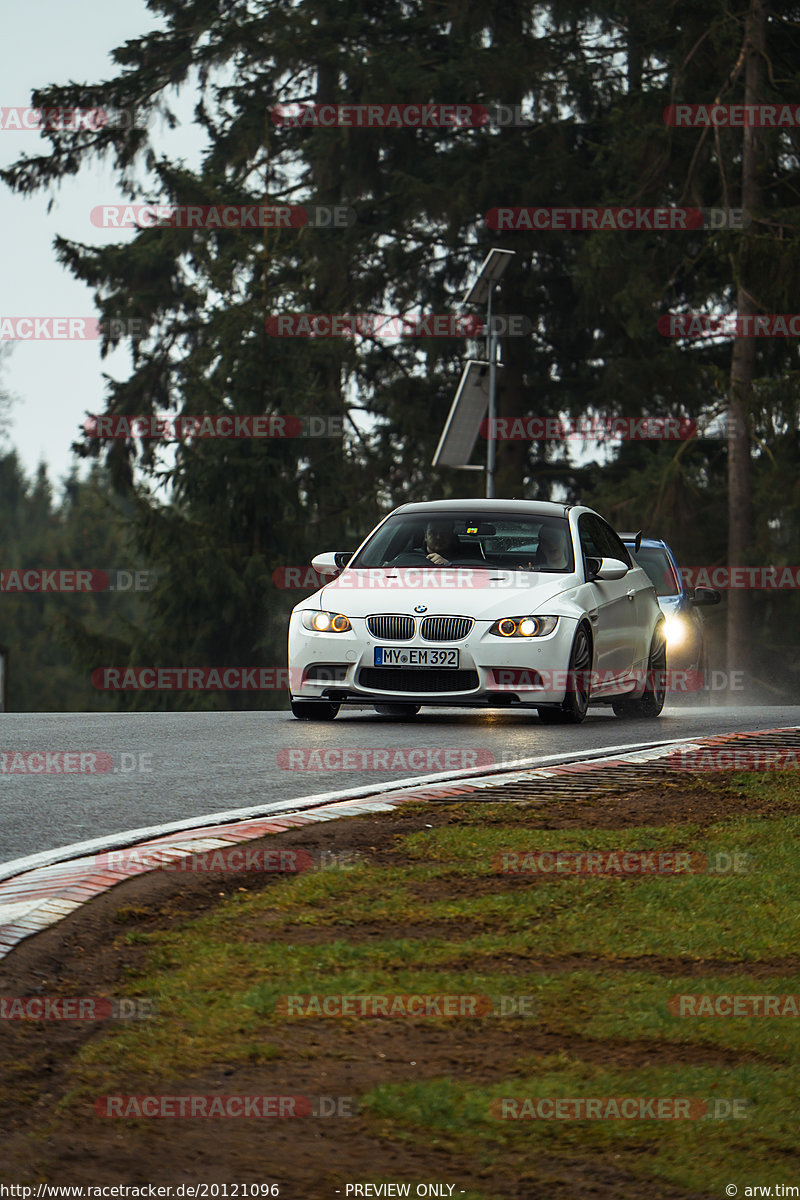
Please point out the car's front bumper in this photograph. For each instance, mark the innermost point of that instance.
(492, 671)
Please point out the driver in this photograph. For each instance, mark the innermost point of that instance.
(552, 549)
(440, 543)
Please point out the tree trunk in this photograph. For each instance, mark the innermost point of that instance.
(739, 628)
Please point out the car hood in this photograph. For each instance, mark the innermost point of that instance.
(482, 594)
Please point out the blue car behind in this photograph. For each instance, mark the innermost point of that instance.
(687, 650)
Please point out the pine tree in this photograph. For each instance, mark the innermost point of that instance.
(216, 518)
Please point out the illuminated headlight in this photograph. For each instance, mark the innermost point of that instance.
(677, 630)
(524, 626)
(326, 622)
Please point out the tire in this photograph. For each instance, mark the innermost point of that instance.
(398, 710)
(573, 710)
(704, 695)
(651, 702)
(314, 710)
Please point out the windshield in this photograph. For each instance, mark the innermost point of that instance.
(510, 541)
(659, 569)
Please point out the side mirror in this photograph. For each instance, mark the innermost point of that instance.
(704, 596)
(331, 562)
(607, 568)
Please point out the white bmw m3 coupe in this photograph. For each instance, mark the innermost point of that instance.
(488, 603)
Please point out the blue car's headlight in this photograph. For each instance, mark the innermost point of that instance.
(677, 629)
(325, 622)
(523, 626)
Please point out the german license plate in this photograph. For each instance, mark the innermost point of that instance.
(386, 656)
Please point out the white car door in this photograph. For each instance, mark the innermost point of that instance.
(612, 607)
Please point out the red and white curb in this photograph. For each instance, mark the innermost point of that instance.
(34, 899)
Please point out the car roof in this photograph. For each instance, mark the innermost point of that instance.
(541, 508)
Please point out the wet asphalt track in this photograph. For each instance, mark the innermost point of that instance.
(167, 767)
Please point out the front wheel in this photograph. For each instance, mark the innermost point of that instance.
(314, 710)
(397, 710)
(573, 709)
(703, 692)
(651, 702)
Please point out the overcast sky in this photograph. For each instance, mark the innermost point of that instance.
(55, 383)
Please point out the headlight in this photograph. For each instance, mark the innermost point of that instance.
(325, 622)
(676, 629)
(524, 626)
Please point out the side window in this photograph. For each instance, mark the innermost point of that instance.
(598, 540)
(613, 546)
(587, 528)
